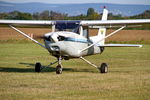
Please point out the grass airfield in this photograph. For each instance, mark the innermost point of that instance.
(128, 77)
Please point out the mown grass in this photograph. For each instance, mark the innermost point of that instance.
(128, 77)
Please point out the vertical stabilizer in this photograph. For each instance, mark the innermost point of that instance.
(102, 30)
(105, 14)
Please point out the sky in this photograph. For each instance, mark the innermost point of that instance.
(145, 2)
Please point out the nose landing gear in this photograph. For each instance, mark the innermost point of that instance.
(58, 69)
(59, 66)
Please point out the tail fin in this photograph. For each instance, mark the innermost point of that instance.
(105, 14)
(102, 30)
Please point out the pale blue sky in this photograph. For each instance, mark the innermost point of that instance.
(145, 2)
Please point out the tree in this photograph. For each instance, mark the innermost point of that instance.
(19, 15)
(90, 11)
(3, 15)
(92, 15)
(144, 15)
(36, 16)
(57, 16)
(45, 15)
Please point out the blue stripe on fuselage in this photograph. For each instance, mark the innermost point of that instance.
(77, 40)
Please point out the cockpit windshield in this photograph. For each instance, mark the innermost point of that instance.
(72, 26)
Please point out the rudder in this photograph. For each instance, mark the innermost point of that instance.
(102, 30)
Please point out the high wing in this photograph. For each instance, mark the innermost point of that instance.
(26, 22)
(115, 22)
(122, 23)
(82, 23)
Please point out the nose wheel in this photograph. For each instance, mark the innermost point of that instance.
(58, 69)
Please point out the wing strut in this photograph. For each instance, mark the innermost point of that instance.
(25, 35)
(88, 62)
(103, 38)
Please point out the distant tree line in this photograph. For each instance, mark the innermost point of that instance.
(51, 15)
(45, 15)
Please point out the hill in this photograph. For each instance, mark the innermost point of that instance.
(74, 9)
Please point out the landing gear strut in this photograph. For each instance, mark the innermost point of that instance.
(59, 67)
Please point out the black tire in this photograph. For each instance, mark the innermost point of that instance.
(103, 68)
(58, 69)
(38, 67)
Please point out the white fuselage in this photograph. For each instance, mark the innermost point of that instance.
(69, 44)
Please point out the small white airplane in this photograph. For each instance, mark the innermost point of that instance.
(70, 39)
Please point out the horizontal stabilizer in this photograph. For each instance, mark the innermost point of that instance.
(120, 45)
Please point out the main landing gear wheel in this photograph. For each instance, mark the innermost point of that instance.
(38, 67)
(58, 69)
(103, 68)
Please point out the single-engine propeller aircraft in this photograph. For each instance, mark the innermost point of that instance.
(70, 38)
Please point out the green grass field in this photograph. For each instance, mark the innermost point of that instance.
(128, 77)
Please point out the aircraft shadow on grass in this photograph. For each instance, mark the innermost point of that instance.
(31, 69)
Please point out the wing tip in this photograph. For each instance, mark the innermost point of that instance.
(140, 46)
